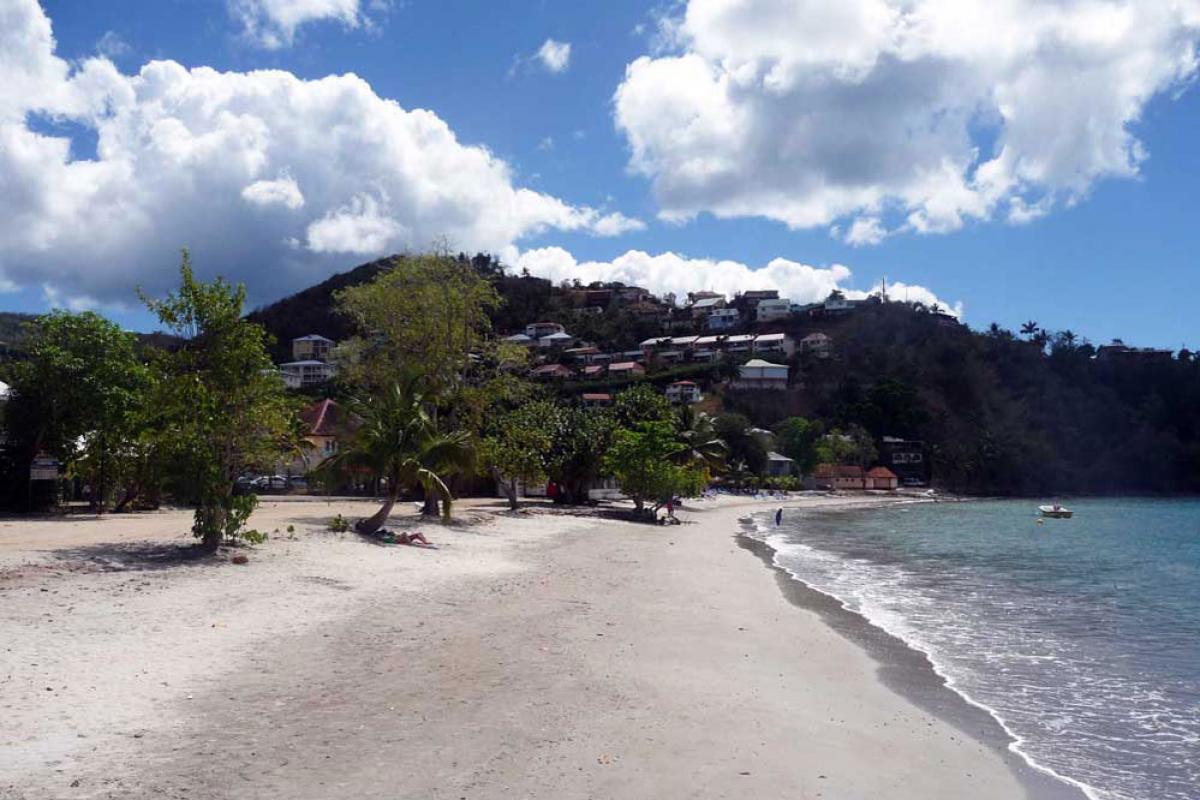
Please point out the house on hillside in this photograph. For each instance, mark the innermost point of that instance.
(770, 310)
(594, 371)
(1118, 351)
(557, 341)
(684, 392)
(326, 426)
(312, 348)
(882, 478)
(521, 339)
(553, 372)
(759, 295)
(757, 374)
(740, 344)
(774, 345)
(702, 308)
(306, 374)
(817, 345)
(626, 369)
(596, 399)
(696, 297)
(722, 319)
(840, 477)
(540, 330)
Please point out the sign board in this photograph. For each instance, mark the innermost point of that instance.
(44, 468)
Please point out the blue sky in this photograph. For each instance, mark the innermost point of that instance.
(1111, 252)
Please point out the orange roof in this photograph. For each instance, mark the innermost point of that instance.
(837, 471)
(881, 472)
(326, 418)
(684, 383)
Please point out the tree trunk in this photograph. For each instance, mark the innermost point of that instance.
(212, 521)
(509, 487)
(373, 523)
(432, 507)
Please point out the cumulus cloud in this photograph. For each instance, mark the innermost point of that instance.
(268, 178)
(670, 273)
(273, 23)
(922, 113)
(555, 56)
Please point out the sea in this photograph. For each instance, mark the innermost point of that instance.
(1081, 636)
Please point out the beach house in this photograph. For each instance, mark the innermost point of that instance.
(839, 476)
(779, 465)
(882, 478)
(906, 459)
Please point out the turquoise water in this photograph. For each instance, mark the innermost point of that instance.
(1081, 636)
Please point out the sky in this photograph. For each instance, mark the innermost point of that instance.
(1009, 160)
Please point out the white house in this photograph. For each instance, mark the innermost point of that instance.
(702, 308)
(769, 310)
(540, 330)
(759, 374)
(684, 392)
(776, 344)
(722, 319)
(817, 344)
(311, 348)
(742, 343)
(521, 339)
(559, 339)
(302, 374)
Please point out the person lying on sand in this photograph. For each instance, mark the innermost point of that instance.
(416, 538)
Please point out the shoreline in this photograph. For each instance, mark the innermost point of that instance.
(535, 654)
(910, 671)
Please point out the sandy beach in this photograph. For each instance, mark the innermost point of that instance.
(536, 654)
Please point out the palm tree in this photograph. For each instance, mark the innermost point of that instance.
(1030, 328)
(398, 442)
(702, 445)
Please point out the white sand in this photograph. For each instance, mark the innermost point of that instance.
(537, 655)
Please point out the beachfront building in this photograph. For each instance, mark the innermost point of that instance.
(757, 374)
(817, 345)
(840, 477)
(305, 374)
(779, 465)
(312, 348)
(771, 310)
(626, 369)
(684, 392)
(905, 458)
(774, 345)
(553, 372)
(882, 478)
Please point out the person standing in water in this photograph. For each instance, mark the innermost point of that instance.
(779, 516)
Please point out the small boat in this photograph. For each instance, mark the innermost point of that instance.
(1056, 512)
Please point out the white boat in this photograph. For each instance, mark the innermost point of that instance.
(1056, 512)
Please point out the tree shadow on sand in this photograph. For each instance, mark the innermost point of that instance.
(138, 556)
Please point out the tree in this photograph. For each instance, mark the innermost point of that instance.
(798, 440)
(852, 446)
(517, 445)
(579, 441)
(1029, 329)
(744, 446)
(79, 396)
(702, 445)
(219, 401)
(643, 461)
(429, 310)
(638, 404)
(399, 443)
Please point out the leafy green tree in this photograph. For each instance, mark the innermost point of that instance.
(854, 446)
(79, 396)
(517, 447)
(579, 441)
(703, 447)
(429, 310)
(744, 447)
(799, 439)
(398, 442)
(219, 401)
(640, 403)
(644, 462)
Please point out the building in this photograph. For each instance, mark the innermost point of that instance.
(326, 424)
(817, 345)
(774, 344)
(722, 319)
(312, 348)
(684, 392)
(626, 369)
(593, 372)
(906, 459)
(741, 343)
(650, 346)
(696, 297)
(779, 465)
(759, 374)
(596, 399)
(521, 339)
(557, 340)
(1118, 351)
(770, 310)
(539, 330)
(758, 295)
(882, 478)
(837, 306)
(553, 372)
(841, 477)
(305, 374)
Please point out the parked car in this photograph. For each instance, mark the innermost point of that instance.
(270, 484)
(298, 483)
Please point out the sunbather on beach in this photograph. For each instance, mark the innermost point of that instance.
(413, 538)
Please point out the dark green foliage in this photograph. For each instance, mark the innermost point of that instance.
(746, 450)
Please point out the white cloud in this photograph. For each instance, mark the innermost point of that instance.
(266, 177)
(865, 231)
(280, 192)
(555, 56)
(273, 23)
(931, 112)
(670, 273)
(111, 45)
